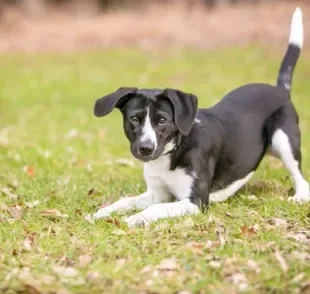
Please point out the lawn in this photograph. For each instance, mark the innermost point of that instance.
(59, 163)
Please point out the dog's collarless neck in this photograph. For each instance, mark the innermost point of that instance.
(177, 142)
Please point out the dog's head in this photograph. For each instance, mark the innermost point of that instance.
(153, 118)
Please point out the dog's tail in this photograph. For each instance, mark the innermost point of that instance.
(293, 51)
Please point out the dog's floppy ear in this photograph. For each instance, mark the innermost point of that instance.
(185, 109)
(106, 104)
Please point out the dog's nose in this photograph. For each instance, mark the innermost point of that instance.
(146, 148)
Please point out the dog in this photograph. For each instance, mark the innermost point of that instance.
(200, 156)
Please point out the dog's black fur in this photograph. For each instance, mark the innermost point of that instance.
(221, 144)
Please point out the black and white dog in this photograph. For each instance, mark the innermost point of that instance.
(202, 156)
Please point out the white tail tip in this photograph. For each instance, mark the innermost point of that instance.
(297, 30)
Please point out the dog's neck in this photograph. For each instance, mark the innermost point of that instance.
(172, 145)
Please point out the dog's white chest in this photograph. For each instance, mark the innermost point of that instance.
(159, 176)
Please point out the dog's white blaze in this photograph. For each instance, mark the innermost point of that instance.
(148, 132)
(162, 210)
(281, 147)
(297, 31)
(224, 194)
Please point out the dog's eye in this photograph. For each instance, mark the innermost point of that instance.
(162, 120)
(134, 119)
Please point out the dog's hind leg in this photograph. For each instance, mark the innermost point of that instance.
(285, 144)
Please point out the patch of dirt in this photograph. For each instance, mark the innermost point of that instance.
(153, 27)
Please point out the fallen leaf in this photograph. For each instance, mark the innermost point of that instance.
(68, 272)
(239, 279)
(29, 171)
(63, 291)
(168, 265)
(281, 261)
(16, 211)
(215, 264)
(302, 236)
(64, 261)
(252, 198)
(73, 133)
(248, 231)
(211, 244)
(119, 232)
(119, 264)
(91, 192)
(253, 266)
(93, 276)
(4, 207)
(27, 244)
(8, 193)
(298, 278)
(126, 162)
(221, 232)
(84, 260)
(277, 222)
(54, 213)
(302, 256)
(195, 247)
(32, 289)
(32, 204)
(305, 287)
(113, 221)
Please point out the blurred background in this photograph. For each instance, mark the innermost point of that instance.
(68, 25)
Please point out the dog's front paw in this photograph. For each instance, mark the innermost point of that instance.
(102, 213)
(299, 199)
(302, 193)
(137, 220)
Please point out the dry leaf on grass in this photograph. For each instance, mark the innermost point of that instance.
(32, 204)
(8, 193)
(84, 260)
(168, 265)
(91, 192)
(298, 278)
(249, 231)
(53, 213)
(125, 162)
(195, 247)
(63, 291)
(302, 237)
(68, 272)
(30, 171)
(239, 279)
(222, 234)
(302, 256)
(32, 289)
(214, 264)
(16, 211)
(276, 223)
(253, 266)
(27, 244)
(279, 257)
(113, 221)
(252, 198)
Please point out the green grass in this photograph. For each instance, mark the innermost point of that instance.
(47, 125)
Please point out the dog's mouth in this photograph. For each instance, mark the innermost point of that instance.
(145, 158)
